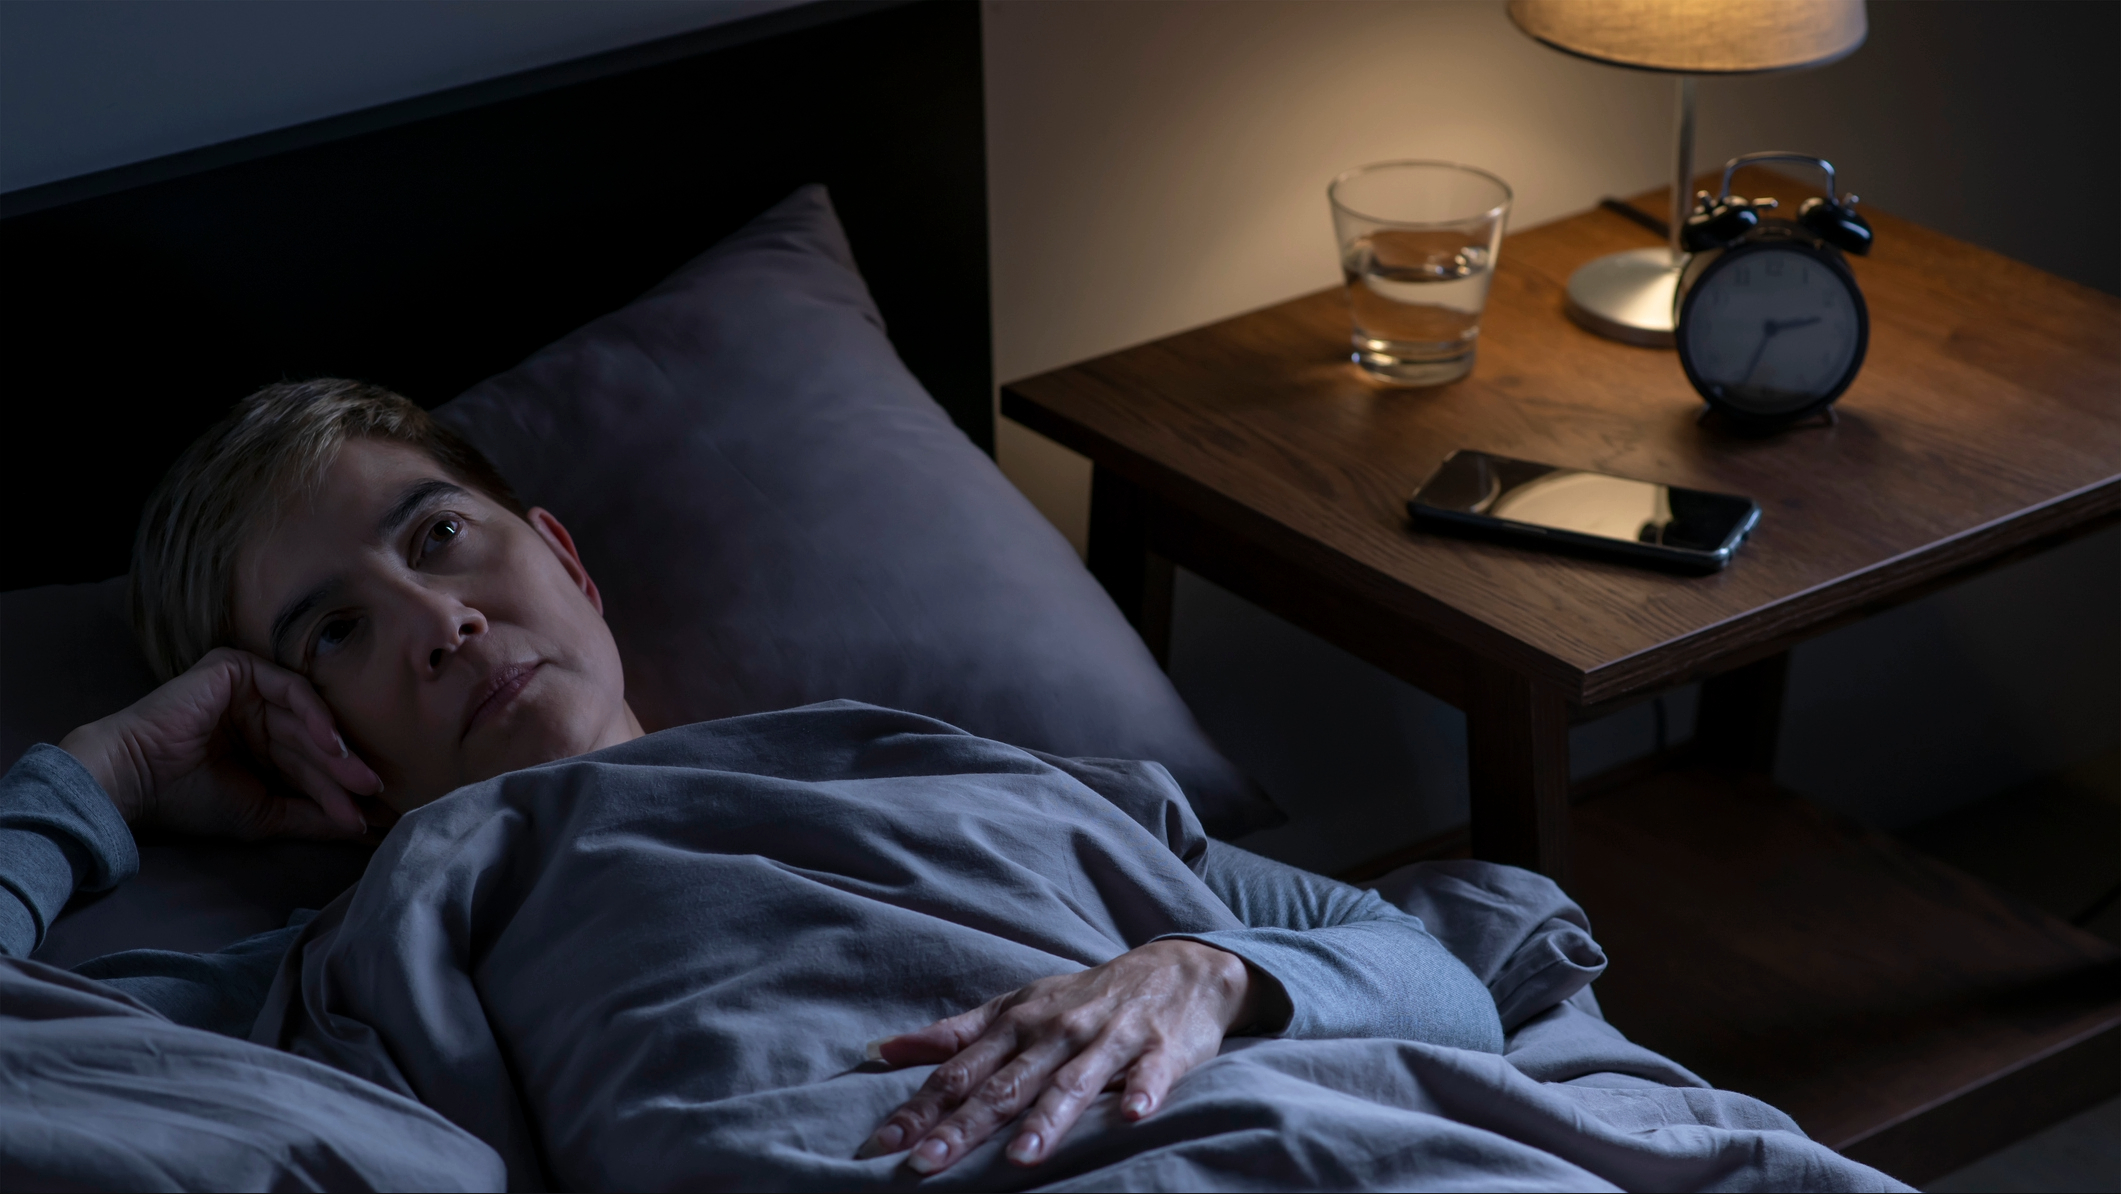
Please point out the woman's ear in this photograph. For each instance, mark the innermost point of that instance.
(562, 545)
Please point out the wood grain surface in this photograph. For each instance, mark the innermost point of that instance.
(1987, 416)
(1900, 1010)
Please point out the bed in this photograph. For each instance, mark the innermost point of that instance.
(730, 288)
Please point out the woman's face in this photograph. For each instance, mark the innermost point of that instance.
(453, 640)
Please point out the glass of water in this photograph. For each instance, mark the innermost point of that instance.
(1417, 248)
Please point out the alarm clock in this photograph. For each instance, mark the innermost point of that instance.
(1769, 322)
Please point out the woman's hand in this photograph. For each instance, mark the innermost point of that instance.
(169, 758)
(1144, 1018)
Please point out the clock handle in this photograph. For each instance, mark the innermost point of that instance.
(1831, 218)
(1779, 155)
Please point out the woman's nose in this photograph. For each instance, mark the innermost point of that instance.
(462, 625)
(436, 656)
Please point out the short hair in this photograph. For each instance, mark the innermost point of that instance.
(272, 448)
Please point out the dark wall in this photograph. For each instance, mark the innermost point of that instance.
(1997, 121)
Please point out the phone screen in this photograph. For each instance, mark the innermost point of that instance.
(1474, 486)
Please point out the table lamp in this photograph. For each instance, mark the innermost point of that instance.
(1628, 296)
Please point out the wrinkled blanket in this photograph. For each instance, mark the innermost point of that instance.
(98, 1092)
(656, 967)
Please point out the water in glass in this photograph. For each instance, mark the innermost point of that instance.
(1416, 297)
(1417, 250)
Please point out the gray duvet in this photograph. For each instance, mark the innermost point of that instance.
(656, 967)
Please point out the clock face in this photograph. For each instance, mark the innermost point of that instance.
(1772, 331)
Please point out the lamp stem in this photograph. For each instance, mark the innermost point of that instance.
(1682, 166)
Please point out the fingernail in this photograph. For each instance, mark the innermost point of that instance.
(874, 1050)
(1025, 1148)
(343, 752)
(886, 1140)
(928, 1156)
(1136, 1105)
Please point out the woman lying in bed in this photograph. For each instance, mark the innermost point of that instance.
(629, 960)
(357, 595)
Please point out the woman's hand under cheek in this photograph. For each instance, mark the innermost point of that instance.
(171, 758)
(1142, 1019)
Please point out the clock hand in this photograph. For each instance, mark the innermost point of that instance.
(1767, 333)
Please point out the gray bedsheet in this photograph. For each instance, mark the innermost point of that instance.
(97, 1092)
(656, 967)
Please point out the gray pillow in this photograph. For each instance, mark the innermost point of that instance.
(776, 514)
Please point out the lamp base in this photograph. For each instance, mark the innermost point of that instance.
(1627, 296)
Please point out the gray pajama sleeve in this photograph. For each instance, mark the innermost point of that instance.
(58, 833)
(1347, 963)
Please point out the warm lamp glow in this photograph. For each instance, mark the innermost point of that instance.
(1697, 37)
(1629, 295)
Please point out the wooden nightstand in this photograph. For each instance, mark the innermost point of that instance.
(1900, 1010)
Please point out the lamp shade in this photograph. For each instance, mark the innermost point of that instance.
(1697, 37)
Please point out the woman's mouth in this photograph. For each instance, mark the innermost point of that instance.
(498, 693)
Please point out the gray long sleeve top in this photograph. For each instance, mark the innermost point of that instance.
(1339, 961)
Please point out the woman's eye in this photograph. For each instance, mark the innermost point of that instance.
(441, 533)
(334, 632)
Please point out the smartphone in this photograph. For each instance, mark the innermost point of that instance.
(1582, 511)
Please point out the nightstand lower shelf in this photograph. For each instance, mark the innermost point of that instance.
(1901, 1011)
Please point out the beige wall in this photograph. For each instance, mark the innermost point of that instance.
(1155, 166)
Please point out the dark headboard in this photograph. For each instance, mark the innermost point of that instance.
(428, 244)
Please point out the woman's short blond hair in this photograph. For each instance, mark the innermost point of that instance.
(273, 448)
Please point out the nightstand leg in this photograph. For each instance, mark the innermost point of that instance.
(1741, 716)
(1517, 735)
(1138, 579)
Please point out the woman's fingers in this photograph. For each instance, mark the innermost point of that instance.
(291, 692)
(299, 759)
(1154, 1013)
(278, 716)
(1074, 1087)
(338, 813)
(1149, 1079)
(1145, 1076)
(972, 1047)
(989, 1105)
(939, 1041)
(311, 727)
(165, 758)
